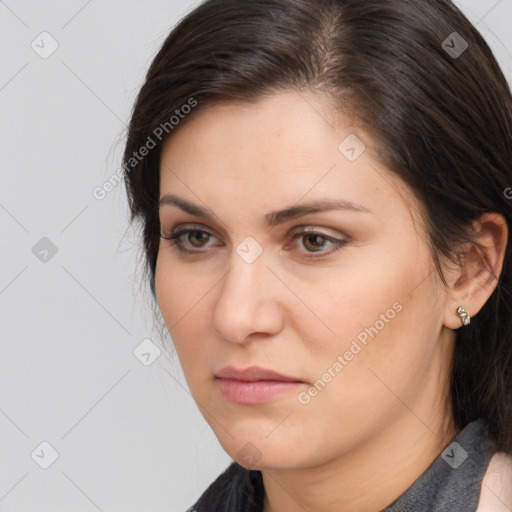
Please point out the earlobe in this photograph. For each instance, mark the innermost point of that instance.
(480, 271)
(456, 317)
(464, 315)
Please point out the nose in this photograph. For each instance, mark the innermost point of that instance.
(249, 301)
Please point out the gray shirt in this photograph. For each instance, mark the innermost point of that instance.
(452, 483)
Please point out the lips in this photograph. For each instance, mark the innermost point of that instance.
(253, 374)
(254, 385)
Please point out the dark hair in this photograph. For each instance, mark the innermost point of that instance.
(441, 119)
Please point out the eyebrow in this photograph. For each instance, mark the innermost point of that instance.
(273, 218)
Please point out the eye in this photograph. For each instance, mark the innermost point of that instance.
(196, 241)
(313, 240)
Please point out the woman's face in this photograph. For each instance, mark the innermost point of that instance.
(344, 302)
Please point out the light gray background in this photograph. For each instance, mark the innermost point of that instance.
(129, 437)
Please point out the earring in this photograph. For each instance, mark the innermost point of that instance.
(464, 315)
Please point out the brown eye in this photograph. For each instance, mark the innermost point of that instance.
(314, 241)
(190, 240)
(199, 236)
(185, 239)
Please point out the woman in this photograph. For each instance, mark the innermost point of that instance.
(323, 189)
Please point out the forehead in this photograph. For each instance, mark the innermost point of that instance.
(278, 150)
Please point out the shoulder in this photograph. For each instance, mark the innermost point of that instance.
(236, 489)
(214, 496)
(496, 490)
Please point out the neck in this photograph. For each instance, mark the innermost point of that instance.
(368, 478)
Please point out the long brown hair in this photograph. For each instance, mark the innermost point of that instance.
(425, 84)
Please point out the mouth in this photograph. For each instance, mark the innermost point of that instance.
(252, 374)
(254, 385)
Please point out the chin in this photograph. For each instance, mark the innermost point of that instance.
(260, 452)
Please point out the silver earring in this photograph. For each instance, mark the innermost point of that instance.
(464, 315)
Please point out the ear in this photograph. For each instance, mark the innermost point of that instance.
(477, 278)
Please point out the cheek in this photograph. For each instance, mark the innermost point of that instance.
(383, 334)
(376, 305)
(182, 299)
(351, 298)
(363, 310)
(183, 302)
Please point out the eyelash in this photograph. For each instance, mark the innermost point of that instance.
(180, 247)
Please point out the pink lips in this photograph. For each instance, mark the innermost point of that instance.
(253, 385)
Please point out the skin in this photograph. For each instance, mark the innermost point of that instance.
(380, 422)
(496, 491)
